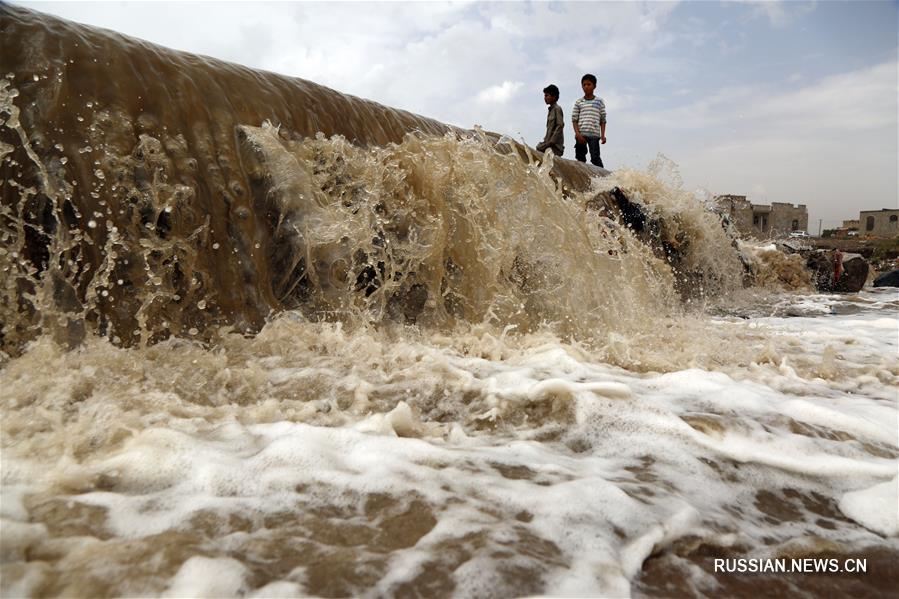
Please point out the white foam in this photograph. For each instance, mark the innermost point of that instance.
(278, 590)
(659, 535)
(876, 508)
(29, 583)
(204, 577)
(628, 463)
(18, 538)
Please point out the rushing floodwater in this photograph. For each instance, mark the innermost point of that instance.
(258, 338)
(310, 459)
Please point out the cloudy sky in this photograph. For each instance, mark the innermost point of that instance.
(780, 101)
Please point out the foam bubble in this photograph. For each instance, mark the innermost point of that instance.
(877, 507)
(208, 578)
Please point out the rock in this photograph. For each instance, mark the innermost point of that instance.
(888, 279)
(792, 246)
(821, 265)
(835, 271)
(855, 274)
(648, 229)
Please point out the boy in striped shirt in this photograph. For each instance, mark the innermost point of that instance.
(589, 118)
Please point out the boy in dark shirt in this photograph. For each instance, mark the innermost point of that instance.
(555, 123)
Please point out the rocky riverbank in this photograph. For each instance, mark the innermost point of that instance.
(882, 253)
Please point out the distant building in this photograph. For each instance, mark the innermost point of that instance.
(879, 223)
(850, 225)
(760, 220)
(737, 209)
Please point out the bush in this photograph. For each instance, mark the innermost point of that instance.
(885, 249)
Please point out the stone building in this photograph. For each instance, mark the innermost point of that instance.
(850, 225)
(760, 220)
(879, 223)
(737, 209)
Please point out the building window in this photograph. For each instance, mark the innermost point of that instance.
(869, 223)
(893, 218)
(795, 225)
(755, 220)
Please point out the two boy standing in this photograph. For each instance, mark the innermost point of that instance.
(588, 117)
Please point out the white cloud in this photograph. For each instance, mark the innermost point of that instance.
(773, 10)
(861, 99)
(487, 63)
(829, 174)
(435, 59)
(778, 12)
(500, 94)
(828, 143)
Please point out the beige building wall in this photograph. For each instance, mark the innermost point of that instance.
(879, 223)
(760, 220)
(738, 210)
(786, 218)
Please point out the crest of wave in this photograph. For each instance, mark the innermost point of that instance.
(777, 270)
(708, 260)
(444, 230)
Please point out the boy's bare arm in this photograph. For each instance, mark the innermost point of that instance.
(577, 133)
(602, 131)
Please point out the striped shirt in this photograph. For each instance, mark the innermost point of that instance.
(589, 115)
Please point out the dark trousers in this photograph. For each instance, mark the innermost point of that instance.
(556, 149)
(580, 150)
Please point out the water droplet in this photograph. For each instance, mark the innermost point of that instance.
(193, 331)
(215, 246)
(92, 224)
(36, 78)
(63, 160)
(99, 174)
(201, 304)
